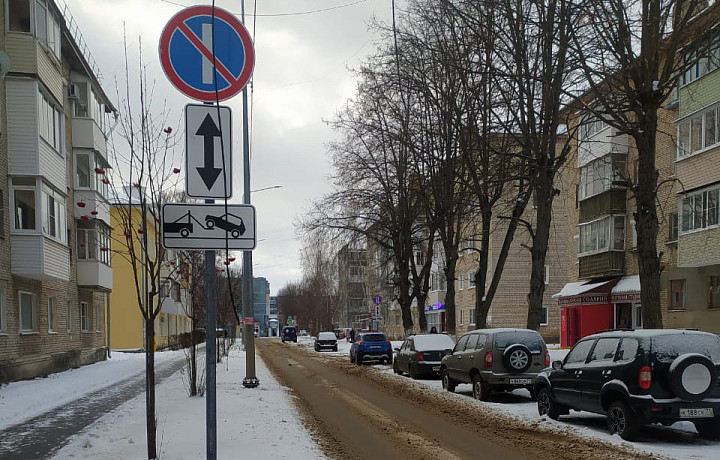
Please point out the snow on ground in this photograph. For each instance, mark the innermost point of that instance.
(21, 401)
(679, 441)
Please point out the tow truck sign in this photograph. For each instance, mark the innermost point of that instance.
(208, 226)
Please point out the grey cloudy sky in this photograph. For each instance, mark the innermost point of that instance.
(300, 78)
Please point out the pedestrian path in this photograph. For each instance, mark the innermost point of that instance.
(41, 436)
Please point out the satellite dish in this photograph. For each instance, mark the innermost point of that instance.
(4, 64)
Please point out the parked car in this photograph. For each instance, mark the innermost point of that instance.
(289, 333)
(228, 222)
(326, 340)
(636, 378)
(421, 354)
(371, 346)
(495, 360)
(303, 333)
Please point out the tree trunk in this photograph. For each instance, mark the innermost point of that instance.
(647, 223)
(538, 251)
(482, 306)
(193, 364)
(451, 262)
(151, 423)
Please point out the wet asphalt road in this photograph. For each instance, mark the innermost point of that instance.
(40, 437)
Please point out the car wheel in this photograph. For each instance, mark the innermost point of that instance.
(412, 371)
(358, 359)
(235, 233)
(547, 405)
(210, 223)
(517, 358)
(395, 368)
(622, 420)
(692, 376)
(352, 358)
(448, 383)
(533, 396)
(479, 388)
(184, 232)
(708, 429)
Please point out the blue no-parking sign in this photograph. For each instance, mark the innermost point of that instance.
(186, 53)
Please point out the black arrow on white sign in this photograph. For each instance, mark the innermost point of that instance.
(209, 131)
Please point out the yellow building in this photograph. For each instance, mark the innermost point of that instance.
(126, 328)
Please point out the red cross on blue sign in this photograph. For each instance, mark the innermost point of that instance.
(186, 53)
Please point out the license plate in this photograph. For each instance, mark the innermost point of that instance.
(520, 381)
(697, 413)
(374, 348)
(436, 368)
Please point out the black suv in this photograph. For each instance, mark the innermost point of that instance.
(636, 378)
(495, 359)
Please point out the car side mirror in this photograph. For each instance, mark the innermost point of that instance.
(448, 351)
(557, 365)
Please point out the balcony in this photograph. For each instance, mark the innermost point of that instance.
(40, 258)
(95, 275)
(610, 263)
(610, 202)
(86, 134)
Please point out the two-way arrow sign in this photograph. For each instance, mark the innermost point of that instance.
(206, 138)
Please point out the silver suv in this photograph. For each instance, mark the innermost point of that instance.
(495, 359)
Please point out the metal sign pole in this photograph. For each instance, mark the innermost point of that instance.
(210, 375)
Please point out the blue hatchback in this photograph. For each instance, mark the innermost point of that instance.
(371, 346)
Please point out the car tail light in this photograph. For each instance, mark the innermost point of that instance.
(547, 358)
(645, 377)
(388, 342)
(420, 356)
(488, 359)
(361, 342)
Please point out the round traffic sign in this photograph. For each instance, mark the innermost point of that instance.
(377, 299)
(186, 53)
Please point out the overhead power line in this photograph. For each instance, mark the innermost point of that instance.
(296, 13)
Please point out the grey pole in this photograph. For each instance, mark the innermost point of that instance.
(210, 363)
(107, 307)
(250, 380)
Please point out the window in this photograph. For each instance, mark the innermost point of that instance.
(677, 294)
(544, 316)
(701, 62)
(47, 26)
(54, 215)
(24, 208)
(700, 210)
(98, 322)
(82, 170)
(461, 282)
(176, 291)
(471, 319)
(165, 289)
(51, 123)
(460, 345)
(697, 132)
(579, 352)
(52, 315)
(28, 313)
(591, 126)
(714, 291)
(461, 317)
(673, 236)
(84, 316)
(627, 351)
(471, 279)
(547, 274)
(97, 109)
(93, 242)
(604, 350)
(81, 103)
(3, 308)
(598, 176)
(472, 342)
(19, 16)
(598, 235)
(68, 315)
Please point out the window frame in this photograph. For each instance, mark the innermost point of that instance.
(52, 315)
(25, 188)
(46, 106)
(3, 308)
(471, 319)
(687, 130)
(714, 300)
(696, 205)
(544, 318)
(33, 312)
(84, 317)
(68, 315)
(97, 318)
(608, 233)
(671, 304)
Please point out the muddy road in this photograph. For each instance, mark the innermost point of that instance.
(359, 412)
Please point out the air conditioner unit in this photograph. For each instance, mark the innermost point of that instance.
(73, 91)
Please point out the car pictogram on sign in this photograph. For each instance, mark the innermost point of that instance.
(228, 222)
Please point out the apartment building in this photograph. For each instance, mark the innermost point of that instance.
(55, 265)
(353, 304)
(261, 304)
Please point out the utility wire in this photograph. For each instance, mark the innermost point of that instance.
(297, 13)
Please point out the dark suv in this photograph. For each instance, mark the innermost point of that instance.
(495, 359)
(371, 346)
(636, 378)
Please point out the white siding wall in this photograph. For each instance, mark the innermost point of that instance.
(26, 255)
(23, 135)
(22, 49)
(57, 260)
(53, 166)
(601, 144)
(48, 68)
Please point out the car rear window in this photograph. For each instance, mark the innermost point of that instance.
(374, 337)
(530, 339)
(327, 336)
(668, 347)
(433, 342)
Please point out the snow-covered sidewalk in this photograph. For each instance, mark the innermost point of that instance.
(258, 423)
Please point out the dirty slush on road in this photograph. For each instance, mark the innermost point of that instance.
(360, 412)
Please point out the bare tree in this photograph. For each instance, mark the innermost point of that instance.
(631, 55)
(143, 175)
